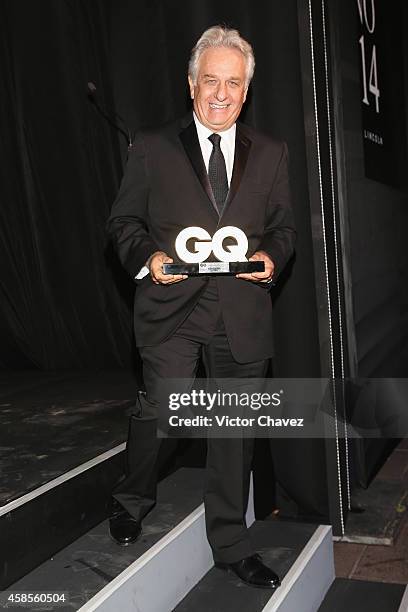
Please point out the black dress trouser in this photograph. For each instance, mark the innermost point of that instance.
(202, 335)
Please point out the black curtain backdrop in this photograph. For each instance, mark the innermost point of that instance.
(60, 169)
(65, 301)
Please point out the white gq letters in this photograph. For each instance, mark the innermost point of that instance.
(204, 244)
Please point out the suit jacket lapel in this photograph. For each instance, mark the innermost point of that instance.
(242, 147)
(189, 139)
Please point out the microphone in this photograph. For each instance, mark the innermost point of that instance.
(109, 115)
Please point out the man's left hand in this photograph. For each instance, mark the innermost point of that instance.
(260, 277)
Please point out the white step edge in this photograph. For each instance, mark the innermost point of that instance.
(159, 579)
(20, 501)
(308, 580)
(404, 602)
(163, 575)
(368, 540)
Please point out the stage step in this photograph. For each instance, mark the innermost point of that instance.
(361, 596)
(301, 554)
(171, 566)
(37, 524)
(62, 452)
(94, 566)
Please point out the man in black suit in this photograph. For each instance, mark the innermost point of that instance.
(209, 171)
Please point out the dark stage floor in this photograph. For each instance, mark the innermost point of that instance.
(51, 423)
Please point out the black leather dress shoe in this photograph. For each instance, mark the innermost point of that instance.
(252, 571)
(123, 528)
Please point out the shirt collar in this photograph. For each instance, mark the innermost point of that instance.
(203, 132)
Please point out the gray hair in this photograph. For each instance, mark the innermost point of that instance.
(221, 36)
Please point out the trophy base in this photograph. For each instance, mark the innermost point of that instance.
(220, 268)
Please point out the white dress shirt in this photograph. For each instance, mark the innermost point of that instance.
(227, 148)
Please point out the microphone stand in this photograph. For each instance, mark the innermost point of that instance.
(109, 117)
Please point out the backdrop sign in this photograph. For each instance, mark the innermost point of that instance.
(382, 92)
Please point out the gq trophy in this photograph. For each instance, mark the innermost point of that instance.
(230, 262)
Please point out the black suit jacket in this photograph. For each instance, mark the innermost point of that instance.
(165, 189)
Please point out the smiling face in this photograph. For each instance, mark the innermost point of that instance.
(220, 90)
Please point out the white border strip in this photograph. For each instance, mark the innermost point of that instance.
(404, 602)
(16, 503)
(104, 594)
(369, 540)
(293, 575)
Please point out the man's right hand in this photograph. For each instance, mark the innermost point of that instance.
(155, 264)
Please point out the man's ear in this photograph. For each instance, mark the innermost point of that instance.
(191, 85)
(245, 94)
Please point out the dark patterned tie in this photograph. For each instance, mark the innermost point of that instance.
(217, 173)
